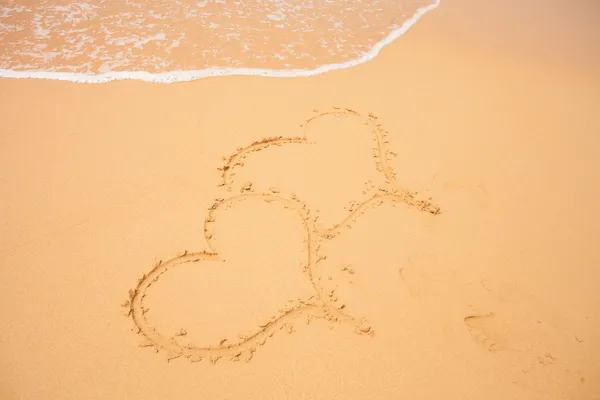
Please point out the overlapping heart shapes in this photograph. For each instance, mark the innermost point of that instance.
(321, 304)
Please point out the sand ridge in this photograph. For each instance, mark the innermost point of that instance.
(323, 304)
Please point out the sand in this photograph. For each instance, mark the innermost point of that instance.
(422, 226)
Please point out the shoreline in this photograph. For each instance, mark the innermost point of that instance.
(188, 76)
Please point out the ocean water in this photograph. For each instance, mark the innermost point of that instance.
(173, 40)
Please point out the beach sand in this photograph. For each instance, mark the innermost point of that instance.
(421, 226)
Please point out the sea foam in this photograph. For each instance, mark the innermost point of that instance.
(79, 61)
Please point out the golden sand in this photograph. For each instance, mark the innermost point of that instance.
(421, 226)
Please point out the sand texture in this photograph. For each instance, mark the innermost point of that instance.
(422, 226)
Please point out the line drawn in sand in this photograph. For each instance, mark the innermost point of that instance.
(323, 304)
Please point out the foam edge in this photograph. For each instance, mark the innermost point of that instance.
(187, 76)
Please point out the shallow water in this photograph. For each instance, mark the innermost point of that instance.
(167, 41)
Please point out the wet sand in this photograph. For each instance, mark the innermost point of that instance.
(423, 225)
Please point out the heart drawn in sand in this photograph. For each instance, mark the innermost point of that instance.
(321, 304)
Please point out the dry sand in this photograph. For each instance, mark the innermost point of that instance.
(104, 188)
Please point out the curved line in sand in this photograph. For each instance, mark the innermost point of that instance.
(321, 304)
(318, 306)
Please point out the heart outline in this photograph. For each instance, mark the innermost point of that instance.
(320, 304)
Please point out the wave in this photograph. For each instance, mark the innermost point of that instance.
(182, 75)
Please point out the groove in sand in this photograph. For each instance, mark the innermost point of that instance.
(322, 304)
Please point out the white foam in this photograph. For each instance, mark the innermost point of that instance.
(186, 76)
